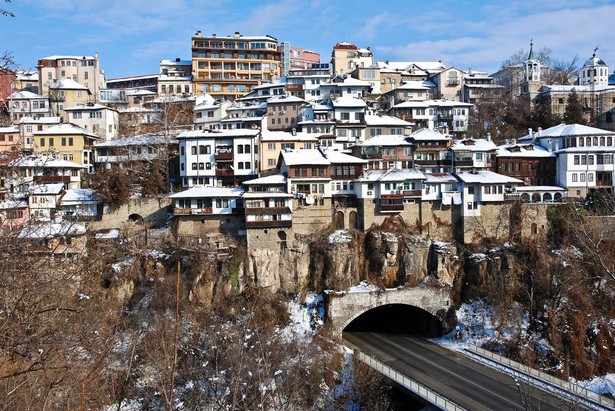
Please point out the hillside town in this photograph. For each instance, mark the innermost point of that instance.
(202, 237)
(258, 141)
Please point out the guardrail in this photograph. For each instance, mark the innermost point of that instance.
(421, 390)
(573, 389)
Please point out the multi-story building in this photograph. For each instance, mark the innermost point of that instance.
(8, 85)
(9, 140)
(297, 58)
(27, 104)
(100, 120)
(448, 83)
(84, 70)
(446, 115)
(228, 67)
(41, 169)
(284, 113)
(29, 125)
(479, 86)
(305, 83)
(147, 82)
(209, 113)
(529, 162)
(345, 57)
(349, 115)
(376, 125)
(67, 93)
(584, 156)
(472, 154)
(175, 77)
(67, 142)
(218, 157)
(431, 153)
(384, 152)
(273, 142)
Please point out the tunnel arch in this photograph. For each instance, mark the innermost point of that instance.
(135, 218)
(396, 318)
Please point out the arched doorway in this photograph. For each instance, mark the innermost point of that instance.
(525, 198)
(547, 197)
(339, 220)
(557, 197)
(536, 198)
(353, 220)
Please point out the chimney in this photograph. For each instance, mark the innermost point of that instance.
(198, 33)
(488, 136)
(539, 131)
(237, 35)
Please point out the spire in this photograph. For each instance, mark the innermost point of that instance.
(531, 56)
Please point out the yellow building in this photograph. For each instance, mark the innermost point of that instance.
(228, 67)
(67, 142)
(272, 142)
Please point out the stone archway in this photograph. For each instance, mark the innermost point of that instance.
(536, 198)
(135, 218)
(547, 197)
(282, 237)
(525, 198)
(339, 220)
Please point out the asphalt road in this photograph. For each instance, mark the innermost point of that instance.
(460, 379)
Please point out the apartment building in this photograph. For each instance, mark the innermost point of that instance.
(228, 67)
(175, 77)
(345, 57)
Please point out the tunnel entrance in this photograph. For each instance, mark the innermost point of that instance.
(397, 319)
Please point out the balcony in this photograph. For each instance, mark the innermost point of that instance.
(51, 179)
(192, 211)
(391, 208)
(268, 211)
(412, 193)
(270, 224)
(224, 156)
(224, 172)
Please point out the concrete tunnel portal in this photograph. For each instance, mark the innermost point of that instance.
(397, 319)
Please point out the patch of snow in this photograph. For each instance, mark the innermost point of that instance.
(364, 286)
(478, 257)
(111, 234)
(120, 266)
(305, 319)
(600, 385)
(340, 237)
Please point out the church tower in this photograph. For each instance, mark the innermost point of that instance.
(594, 72)
(531, 80)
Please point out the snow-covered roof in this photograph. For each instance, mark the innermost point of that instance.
(81, 195)
(426, 134)
(320, 107)
(54, 188)
(236, 132)
(266, 194)
(209, 192)
(411, 104)
(140, 93)
(12, 204)
(385, 140)
(415, 85)
(478, 144)
(394, 174)
(24, 95)
(50, 230)
(275, 179)
(64, 129)
(68, 84)
(165, 62)
(440, 178)
(522, 150)
(568, 130)
(40, 120)
(308, 157)
(486, 177)
(269, 135)
(285, 99)
(67, 57)
(384, 120)
(147, 139)
(10, 129)
(43, 162)
(348, 101)
(337, 157)
(92, 107)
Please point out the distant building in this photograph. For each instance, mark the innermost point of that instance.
(84, 70)
(297, 58)
(175, 77)
(228, 67)
(345, 57)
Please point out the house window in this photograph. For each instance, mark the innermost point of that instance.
(575, 177)
(345, 116)
(51, 142)
(70, 141)
(63, 141)
(271, 162)
(270, 146)
(194, 166)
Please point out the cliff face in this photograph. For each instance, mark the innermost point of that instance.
(389, 256)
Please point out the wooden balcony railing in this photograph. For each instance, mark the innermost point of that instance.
(269, 224)
(224, 172)
(391, 207)
(192, 211)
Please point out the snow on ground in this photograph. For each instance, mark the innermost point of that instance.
(362, 287)
(305, 319)
(600, 385)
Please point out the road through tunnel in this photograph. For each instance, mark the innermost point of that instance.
(397, 319)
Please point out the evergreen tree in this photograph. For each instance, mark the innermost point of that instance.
(542, 115)
(574, 110)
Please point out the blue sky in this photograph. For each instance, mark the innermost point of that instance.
(132, 36)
